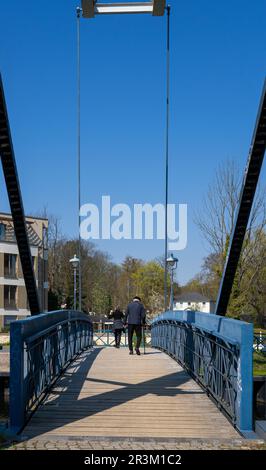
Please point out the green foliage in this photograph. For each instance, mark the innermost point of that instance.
(149, 279)
(53, 301)
(216, 222)
(259, 364)
(105, 285)
(100, 299)
(5, 329)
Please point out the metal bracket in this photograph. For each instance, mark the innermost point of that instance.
(158, 7)
(87, 8)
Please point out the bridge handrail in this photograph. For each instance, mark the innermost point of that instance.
(217, 352)
(36, 336)
(41, 348)
(214, 333)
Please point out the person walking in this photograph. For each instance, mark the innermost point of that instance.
(118, 325)
(134, 319)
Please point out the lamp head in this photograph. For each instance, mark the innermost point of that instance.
(74, 261)
(91, 8)
(172, 261)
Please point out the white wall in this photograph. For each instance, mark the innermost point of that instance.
(198, 306)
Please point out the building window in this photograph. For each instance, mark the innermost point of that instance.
(2, 231)
(10, 265)
(10, 297)
(8, 319)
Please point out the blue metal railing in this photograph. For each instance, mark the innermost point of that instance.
(259, 342)
(41, 348)
(106, 338)
(217, 353)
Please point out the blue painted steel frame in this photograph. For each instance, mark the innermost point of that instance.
(233, 332)
(23, 331)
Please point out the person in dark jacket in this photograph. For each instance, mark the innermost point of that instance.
(118, 325)
(135, 318)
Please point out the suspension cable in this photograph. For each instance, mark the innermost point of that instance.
(167, 151)
(79, 10)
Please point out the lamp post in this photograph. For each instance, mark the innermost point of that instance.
(172, 263)
(75, 264)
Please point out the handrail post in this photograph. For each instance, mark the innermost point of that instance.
(245, 381)
(17, 378)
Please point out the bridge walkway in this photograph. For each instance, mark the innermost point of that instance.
(106, 392)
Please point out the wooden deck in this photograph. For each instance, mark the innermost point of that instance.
(106, 392)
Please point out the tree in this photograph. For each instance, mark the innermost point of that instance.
(53, 301)
(216, 222)
(149, 281)
(217, 215)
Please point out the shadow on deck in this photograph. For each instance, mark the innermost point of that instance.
(106, 392)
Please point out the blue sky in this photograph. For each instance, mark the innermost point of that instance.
(218, 64)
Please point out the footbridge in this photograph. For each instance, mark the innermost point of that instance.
(194, 381)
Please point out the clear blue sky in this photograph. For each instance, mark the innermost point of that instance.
(218, 68)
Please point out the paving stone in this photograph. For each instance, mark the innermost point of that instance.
(103, 444)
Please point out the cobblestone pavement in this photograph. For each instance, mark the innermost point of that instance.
(132, 444)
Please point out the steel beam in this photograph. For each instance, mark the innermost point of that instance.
(247, 194)
(7, 155)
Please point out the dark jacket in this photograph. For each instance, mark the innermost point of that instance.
(118, 317)
(135, 313)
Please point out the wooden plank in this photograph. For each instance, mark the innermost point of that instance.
(112, 394)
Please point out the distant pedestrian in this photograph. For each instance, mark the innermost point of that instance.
(134, 319)
(118, 325)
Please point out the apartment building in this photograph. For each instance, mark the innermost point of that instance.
(13, 296)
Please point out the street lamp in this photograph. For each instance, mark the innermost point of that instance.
(90, 9)
(75, 264)
(172, 263)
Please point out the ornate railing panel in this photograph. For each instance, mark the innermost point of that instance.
(41, 349)
(217, 353)
(105, 338)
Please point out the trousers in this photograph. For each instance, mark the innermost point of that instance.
(131, 330)
(118, 333)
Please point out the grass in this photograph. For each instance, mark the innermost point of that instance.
(3, 442)
(258, 330)
(259, 364)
